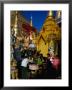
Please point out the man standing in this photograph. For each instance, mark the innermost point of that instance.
(17, 56)
(24, 68)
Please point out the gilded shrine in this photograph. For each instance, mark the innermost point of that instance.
(50, 34)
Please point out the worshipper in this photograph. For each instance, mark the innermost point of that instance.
(56, 62)
(30, 52)
(17, 53)
(56, 65)
(17, 56)
(48, 72)
(24, 67)
(39, 60)
(33, 67)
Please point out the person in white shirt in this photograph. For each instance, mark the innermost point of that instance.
(24, 62)
(24, 68)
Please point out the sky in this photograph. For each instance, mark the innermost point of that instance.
(38, 17)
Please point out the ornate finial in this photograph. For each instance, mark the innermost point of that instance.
(58, 14)
(50, 14)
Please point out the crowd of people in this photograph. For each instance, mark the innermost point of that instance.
(28, 63)
(48, 67)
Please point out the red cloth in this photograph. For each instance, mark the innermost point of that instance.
(56, 63)
(28, 28)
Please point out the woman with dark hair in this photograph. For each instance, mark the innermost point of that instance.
(56, 64)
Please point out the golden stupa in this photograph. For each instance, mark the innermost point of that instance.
(49, 36)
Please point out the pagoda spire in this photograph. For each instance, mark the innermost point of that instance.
(31, 21)
(31, 30)
(15, 25)
(58, 14)
(50, 14)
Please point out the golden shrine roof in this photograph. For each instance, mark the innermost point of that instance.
(50, 30)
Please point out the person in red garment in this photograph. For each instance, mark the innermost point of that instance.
(56, 64)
